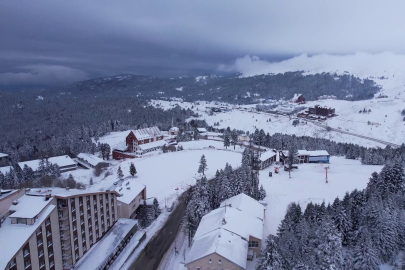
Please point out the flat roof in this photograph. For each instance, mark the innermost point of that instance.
(16, 235)
(62, 161)
(127, 195)
(5, 169)
(107, 245)
(150, 145)
(3, 155)
(247, 204)
(29, 206)
(64, 193)
(91, 159)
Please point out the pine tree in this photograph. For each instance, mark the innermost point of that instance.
(203, 165)
(143, 216)
(1, 180)
(156, 209)
(262, 193)
(120, 174)
(227, 140)
(42, 166)
(132, 169)
(270, 258)
(107, 151)
(234, 138)
(364, 255)
(292, 153)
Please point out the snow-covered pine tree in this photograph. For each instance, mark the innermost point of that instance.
(365, 256)
(42, 166)
(292, 153)
(156, 208)
(262, 193)
(227, 140)
(120, 174)
(132, 169)
(234, 138)
(203, 165)
(340, 220)
(143, 216)
(107, 151)
(270, 258)
(329, 250)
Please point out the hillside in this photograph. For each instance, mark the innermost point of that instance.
(232, 89)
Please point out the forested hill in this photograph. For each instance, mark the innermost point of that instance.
(233, 89)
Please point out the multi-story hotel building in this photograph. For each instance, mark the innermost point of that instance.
(53, 229)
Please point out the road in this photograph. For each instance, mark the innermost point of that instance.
(354, 134)
(153, 253)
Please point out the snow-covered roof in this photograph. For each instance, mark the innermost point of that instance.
(174, 129)
(62, 161)
(222, 242)
(15, 235)
(247, 204)
(108, 245)
(267, 155)
(150, 145)
(129, 190)
(29, 206)
(121, 147)
(91, 159)
(314, 153)
(3, 155)
(149, 201)
(64, 193)
(232, 220)
(202, 130)
(295, 97)
(147, 133)
(5, 169)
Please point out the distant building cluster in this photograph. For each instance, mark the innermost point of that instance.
(327, 97)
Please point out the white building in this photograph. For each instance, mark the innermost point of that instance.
(228, 236)
(131, 194)
(174, 131)
(91, 160)
(65, 163)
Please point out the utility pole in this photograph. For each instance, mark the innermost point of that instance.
(326, 171)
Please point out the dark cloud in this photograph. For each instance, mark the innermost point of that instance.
(177, 38)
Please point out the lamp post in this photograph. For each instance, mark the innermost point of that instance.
(326, 171)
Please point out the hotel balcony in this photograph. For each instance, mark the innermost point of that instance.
(67, 266)
(66, 256)
(65, 247)
(64, 237)
(64, 217)
(63, 228)
(62, 206)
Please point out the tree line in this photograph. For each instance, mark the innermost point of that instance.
(359, 231)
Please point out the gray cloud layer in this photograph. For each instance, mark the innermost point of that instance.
(174, 38)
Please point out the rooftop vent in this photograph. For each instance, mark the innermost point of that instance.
(223, 221)
(15, 202)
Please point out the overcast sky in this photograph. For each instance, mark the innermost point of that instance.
(45, 43)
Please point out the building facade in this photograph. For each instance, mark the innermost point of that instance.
(53, 229)
(144, 140)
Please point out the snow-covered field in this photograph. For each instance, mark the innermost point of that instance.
(163, 173)
(390, 128)
(308, 184)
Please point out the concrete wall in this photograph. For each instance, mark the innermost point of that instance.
(206, 264)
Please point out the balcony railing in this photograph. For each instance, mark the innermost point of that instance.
(62, 206)
(63, 228)
(63, 217)
(66, 256)
(64, 237)
(65, 247)
(67, 266)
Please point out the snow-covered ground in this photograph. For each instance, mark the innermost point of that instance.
(308, 184)
(163, 173)
(390, 128)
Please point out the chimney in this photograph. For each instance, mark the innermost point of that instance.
(47, 197)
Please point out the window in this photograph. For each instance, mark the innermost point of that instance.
(39, 242)
(39, 231)
(253, 244)
(41, 264)
(87, 198)
(48, 233)
(27, 263)
(77, 256)
(219, 262)
(50, 253)
(51, 264)
(26, 252)
(76, 247)
(73, 208)
(210, 261)
(13, 262)
(49, 243)
(41, 253)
